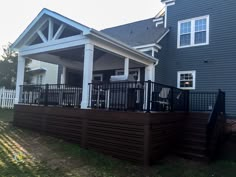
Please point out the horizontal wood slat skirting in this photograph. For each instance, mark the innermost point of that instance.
(142, 138)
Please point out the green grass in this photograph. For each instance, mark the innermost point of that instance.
(38, 155)
(6, 115)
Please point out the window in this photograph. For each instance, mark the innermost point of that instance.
(39, 79)
(193, 32)
(98, 77)
(186, 79)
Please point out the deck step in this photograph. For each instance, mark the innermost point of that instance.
(193, 156)
(193, 142)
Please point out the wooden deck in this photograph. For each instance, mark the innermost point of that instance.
(142, 138)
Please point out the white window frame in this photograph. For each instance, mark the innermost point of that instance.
(186, 72)
(136, 69)
(39, 79)
(98, 75)
(192, 38)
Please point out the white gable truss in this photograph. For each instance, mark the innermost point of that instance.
(48, 26)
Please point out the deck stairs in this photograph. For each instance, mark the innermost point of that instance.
(193, 142)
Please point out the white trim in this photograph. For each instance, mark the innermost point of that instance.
(134, 69)
(192, 33)
(165, 23)
(167, 1)
(158, 19)
(50, 29)
(41, 35)
(59, 32)
(163, 35)
(170, 4)
(146, 49)
(193, 72)
(98, 75)
(148, 45)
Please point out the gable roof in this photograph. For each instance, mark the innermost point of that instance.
(44, 13)
(137, 33)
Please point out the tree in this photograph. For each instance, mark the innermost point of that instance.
(8, 68)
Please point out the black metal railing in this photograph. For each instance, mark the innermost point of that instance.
(215, 125)
(117, 95)
(137, 96)
(51, 94)
(201, 101)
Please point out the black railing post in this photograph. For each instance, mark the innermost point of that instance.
(149, 95)
(46, 95)
(172, 99)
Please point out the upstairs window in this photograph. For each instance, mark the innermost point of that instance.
(193, 32)
(186, 79)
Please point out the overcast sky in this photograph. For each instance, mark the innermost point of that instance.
(15, 15)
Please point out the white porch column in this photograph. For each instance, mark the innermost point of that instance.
(150, 72)
(63, 75)
(19, 77)
(88, 74)
(126, 67)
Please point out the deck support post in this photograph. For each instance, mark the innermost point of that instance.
(88, 74)
(19, 77)
(126, 67)
(149, 76)
(63, 75)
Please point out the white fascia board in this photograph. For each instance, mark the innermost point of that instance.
(115, 45)
(54, 45)
(54, 15)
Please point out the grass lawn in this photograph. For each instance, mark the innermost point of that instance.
(24, 153)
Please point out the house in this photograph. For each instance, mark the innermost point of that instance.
(109, 80)
(198, 48)
(43, 73)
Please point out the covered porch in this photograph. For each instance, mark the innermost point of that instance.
(86, 56)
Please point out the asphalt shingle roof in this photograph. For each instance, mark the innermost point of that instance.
(137, 33)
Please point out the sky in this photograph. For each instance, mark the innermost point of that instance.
(15, 15)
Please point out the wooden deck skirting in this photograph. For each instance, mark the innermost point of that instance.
(142, 138)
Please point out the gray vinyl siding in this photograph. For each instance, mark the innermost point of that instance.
(161, 68)
(215, 64)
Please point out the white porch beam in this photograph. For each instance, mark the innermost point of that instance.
(88, 74)
(19, 77)
(59, 32)
(41, 35)
(126, 67)
(50, 29)
(54, 45)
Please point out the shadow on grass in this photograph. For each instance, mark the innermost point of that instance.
(15, 159)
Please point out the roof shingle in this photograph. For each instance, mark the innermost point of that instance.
(137, 33)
